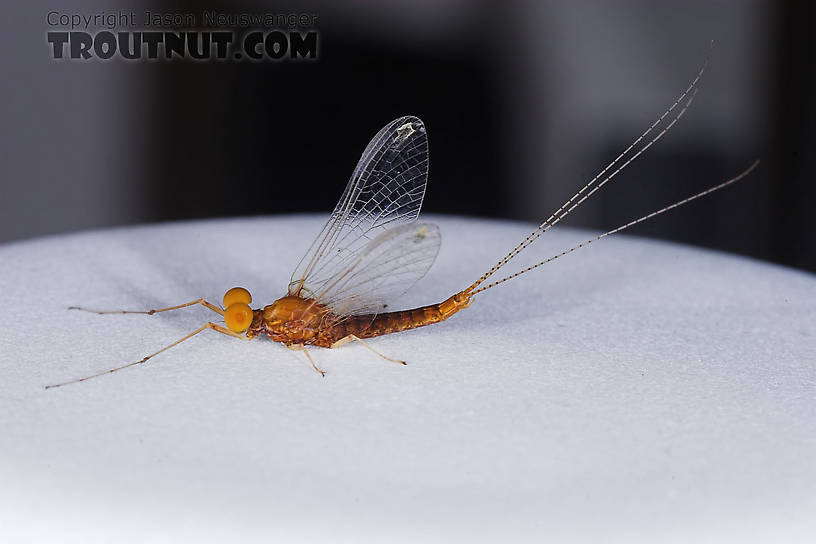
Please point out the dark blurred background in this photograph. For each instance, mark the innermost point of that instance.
(524, 102)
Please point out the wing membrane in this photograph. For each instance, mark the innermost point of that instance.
(385, 190)
(385, 268)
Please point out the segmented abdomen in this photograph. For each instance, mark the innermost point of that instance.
(368, 326)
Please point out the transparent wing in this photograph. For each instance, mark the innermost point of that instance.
(385, 189)
(385, 268)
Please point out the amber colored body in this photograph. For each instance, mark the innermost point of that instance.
(298, 321)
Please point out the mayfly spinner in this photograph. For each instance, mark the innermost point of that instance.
(372, 249)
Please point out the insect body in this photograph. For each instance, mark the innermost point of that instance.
(293, 320)
(372, 249)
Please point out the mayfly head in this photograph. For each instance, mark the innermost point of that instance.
(237, 313)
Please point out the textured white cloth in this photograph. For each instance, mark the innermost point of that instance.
(634, 390)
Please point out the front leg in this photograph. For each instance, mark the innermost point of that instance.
(211, 326)
(201, 301)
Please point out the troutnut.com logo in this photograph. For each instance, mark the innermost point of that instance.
(158, 36)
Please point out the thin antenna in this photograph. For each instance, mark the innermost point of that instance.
(563, 211)
(623, 227)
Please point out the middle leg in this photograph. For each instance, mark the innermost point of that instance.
(301, 347)
(351, 337)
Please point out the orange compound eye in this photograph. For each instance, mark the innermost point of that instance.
(238, 316)
(236, 294)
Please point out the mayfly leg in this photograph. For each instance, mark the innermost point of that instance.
(213, 326)
(201, 301)
(352, 338)
(301, 347)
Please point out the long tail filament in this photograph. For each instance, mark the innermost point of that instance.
(571, 204)
(623, 227)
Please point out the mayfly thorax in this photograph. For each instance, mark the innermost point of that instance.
(372, 249)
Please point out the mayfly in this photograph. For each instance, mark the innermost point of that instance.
(372, 249)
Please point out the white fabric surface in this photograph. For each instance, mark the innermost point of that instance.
(630, 391)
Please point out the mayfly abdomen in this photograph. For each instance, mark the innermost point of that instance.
(369, 326)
